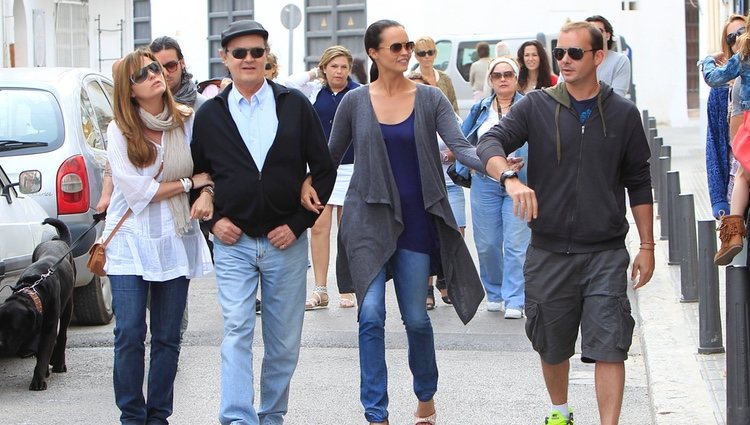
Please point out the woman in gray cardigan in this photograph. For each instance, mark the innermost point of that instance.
(397, 221)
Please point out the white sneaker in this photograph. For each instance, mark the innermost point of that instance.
(513, 313)
(495, 305)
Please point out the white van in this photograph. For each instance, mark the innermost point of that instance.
(456, 53)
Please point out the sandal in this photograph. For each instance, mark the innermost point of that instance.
(347, 301)
(440, 284)
(318, 299)
(430, 298)
(429, 420)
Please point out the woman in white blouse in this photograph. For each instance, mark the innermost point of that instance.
(159, 246)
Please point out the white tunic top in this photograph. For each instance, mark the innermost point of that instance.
(147, 245)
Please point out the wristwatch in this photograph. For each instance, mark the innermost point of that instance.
(508, 174)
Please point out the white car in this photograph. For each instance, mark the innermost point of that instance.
(21, 228)
(54, 121)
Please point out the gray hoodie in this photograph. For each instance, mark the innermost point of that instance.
(578, 171)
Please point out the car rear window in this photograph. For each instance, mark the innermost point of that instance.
(30, 122)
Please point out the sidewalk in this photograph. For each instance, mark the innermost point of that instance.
(685, 387)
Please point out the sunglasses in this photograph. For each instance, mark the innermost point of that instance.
(507, 75)
(255, 52)
(171, 66)
(732, 38)
(269, 66)
(142, 74)
(423, 53)
(396, 47)
(575, 53)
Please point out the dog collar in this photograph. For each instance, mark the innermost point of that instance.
(31, 293)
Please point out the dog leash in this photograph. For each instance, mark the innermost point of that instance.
(97, 218)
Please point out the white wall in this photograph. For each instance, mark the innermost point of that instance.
(188, 24)
(111, 11)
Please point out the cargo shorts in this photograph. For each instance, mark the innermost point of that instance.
(565, 291)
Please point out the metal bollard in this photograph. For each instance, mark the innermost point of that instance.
(664, 151)
(658, 143)
(673, 216)
(688, 249)
(644, 119)
(652, 136)
(651, 122)
(709, 311)
(662, 207)
(738, 346)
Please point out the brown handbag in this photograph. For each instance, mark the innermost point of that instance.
(97, 256)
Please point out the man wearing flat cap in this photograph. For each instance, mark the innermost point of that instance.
(258, 139)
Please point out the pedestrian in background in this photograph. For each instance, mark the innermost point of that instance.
(258, 139)
(586, 148)
(325, 86)
(426, 51)
(535, 71)
(180, 81)
(398, 220)
(718, 141)
(732, 228)
(457, 202)
(501, 238)
(478, 70)
(615, 68)
(272, 67)
(159, 247)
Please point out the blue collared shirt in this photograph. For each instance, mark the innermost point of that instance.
(256, 120)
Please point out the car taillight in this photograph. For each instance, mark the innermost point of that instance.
(72, 186)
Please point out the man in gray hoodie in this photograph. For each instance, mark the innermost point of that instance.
(586, 147)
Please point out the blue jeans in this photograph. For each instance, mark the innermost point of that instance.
(282, 275)
(458, 203)
(410, 271)
(501, 239)
(168, 299)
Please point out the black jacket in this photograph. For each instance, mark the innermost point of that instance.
(257, 201)
(579, 172)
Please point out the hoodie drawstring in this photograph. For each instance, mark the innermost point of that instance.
(557, 133)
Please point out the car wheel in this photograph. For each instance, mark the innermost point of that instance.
(93, 302)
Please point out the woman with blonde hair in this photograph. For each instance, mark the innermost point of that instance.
(425, 50)
(718, 137)
(157, 246)
(719, 70)
(325, 86)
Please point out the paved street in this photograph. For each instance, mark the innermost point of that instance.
(488, 373)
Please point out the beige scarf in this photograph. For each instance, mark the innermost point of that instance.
(178, 163)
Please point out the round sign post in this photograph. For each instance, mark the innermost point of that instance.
(291, 17)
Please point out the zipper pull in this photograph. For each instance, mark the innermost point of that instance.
(260, 175)
(583, 127)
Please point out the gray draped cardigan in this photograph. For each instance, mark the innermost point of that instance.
(371, 222)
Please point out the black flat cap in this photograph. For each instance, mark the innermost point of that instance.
(243, 27)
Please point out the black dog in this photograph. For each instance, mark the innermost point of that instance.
(29, 317)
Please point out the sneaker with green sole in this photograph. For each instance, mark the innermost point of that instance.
(557, 418)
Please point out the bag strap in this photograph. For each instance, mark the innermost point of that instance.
(127, 214)
(119, 224)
